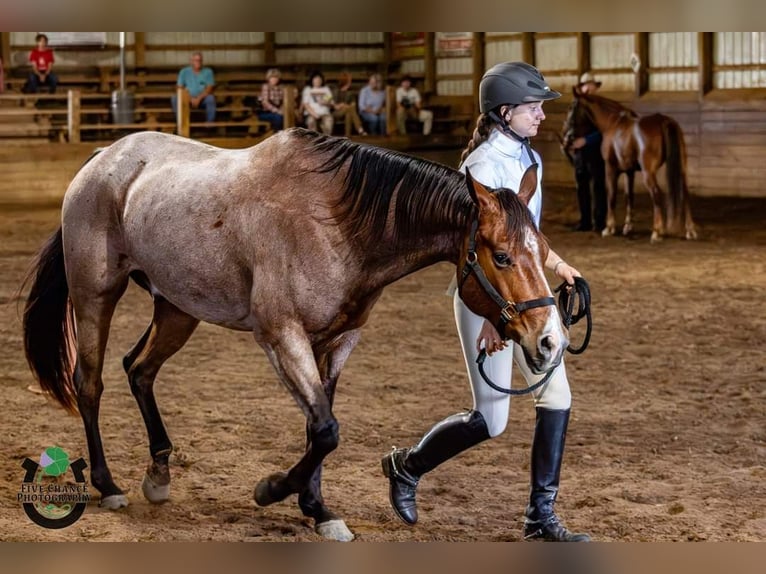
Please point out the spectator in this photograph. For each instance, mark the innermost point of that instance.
(408, 105)
(199, 82)
(273, 100)
(345, 105)
(42, 60)
(372, 105)
(317, 104)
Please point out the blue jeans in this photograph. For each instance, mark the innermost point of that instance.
(374, 124)
(208, 103)
(276, 120)
(33, 83)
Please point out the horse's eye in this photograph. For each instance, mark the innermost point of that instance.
(501, 259)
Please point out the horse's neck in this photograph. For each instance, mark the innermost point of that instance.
(604, 116)
(385, 262)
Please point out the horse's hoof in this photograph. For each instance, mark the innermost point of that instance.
(627, 229)
(334, 530)
(607, 231)
(271, 489)
(691, 234)
(153, 492)
(114, 502)
(656, 237)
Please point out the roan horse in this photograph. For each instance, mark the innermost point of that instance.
(293, 239)
(635, 143)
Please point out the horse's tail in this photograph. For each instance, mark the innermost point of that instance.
(675, 160)
(49, 337)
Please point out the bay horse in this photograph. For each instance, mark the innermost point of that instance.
(635, 143)
(292, 239)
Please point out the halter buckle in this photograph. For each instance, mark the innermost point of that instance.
(471, 257)
(509, 312)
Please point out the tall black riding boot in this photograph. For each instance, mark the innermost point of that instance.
(405, 466)
(541, 522)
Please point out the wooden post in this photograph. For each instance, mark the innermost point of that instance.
(390, 110)
(705, 53)
(269, 48)
(429, 83)
(73, 116)
(289, 107)
(479, 63)
(528, 47)
(387, 52)
(642, 50)
(5, 51)
(139, 49)
(583, 53)
(183, 116)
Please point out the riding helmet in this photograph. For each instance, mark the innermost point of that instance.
(513, 83)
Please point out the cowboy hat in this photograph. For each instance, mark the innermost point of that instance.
(588, 78)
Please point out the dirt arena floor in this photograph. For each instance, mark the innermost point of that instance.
(667, 440)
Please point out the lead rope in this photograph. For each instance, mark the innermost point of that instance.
(580, 291)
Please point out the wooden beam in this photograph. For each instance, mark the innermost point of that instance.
(429, 86)
(583, 53)
(387, 54)
(269, 48)
(503, 37)
(641, 46)
(479, 65)
(390, 110)
(528, 47)
(139, 45)
(705, 54)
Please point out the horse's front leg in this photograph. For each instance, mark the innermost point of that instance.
(330, 360)
(628, 227)
(611, 188)
(291, 355)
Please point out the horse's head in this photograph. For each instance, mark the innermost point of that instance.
(503, 277)
(576, 124)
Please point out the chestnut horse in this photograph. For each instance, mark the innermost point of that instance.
(635, 143)
(292, 239)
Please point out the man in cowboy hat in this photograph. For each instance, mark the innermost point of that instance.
(589, 167)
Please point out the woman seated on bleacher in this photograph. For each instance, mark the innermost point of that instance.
(317, 104)
(42, 60)
(272, 100)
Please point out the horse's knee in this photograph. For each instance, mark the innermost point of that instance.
(325, 436)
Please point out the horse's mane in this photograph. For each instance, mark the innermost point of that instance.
(427, 197)
(610, 106)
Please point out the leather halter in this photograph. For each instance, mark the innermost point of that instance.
(509, 310)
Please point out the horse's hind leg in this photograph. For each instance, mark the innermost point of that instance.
(612, 176)
(94, 291)
(292, 357)
(658, 225)
(330, 365)
(169, 330)
(628, 227)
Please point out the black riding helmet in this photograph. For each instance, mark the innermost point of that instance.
(513, 83)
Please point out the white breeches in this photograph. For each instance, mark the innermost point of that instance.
(493, 405)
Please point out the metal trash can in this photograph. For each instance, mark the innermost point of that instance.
(122, 107)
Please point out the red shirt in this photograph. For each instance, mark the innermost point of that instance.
(43, 59)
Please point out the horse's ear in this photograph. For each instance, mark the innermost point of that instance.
(480, 195)
(528, 185)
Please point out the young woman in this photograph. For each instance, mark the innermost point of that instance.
(317, 104)
(511, 103)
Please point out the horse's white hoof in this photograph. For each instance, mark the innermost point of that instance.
(607, 231)
(334, 530)
(153, 492)
(691, 234)
(627, 229)
(656, 237)
(114, 502)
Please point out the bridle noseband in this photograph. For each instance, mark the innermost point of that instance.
(509, 310)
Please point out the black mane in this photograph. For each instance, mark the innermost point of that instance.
(427, 197)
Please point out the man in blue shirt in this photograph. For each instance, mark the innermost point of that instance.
(372, 106)
(589, 167)
(199, 82)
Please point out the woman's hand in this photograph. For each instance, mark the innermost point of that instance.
(564, 271)
(490, 339)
